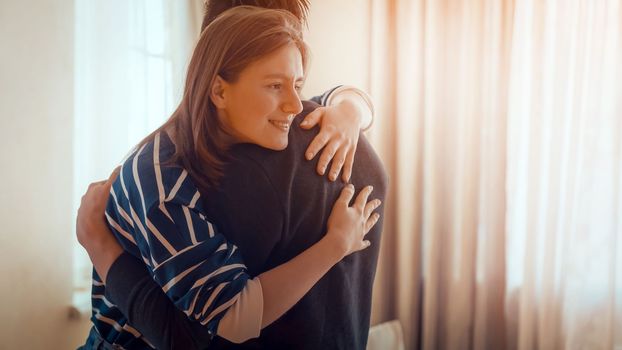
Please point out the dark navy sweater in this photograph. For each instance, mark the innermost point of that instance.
(273, 206)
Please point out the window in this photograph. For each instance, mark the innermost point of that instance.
(130, 61)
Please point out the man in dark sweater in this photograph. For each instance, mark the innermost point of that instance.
(279, 197)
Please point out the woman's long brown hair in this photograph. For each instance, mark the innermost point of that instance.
(231, 42)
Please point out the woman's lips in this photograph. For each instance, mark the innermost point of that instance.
(281, 124)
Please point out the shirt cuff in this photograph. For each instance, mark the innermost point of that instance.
(242, 321)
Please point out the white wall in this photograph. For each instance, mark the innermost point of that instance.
(339, 40)
(36, 103)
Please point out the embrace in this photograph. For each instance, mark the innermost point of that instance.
(219, 231)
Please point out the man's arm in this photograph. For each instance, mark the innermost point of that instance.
(149, 310)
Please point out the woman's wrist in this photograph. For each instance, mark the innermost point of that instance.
(355, 99)
(350, 106)
(333, 247)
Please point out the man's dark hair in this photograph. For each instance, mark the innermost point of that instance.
(213, 8)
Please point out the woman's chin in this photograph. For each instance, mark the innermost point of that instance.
(277, 145)
(280, 147)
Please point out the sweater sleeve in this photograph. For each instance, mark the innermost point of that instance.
(148, 309)
(321, 99)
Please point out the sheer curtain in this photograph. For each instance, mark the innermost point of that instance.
(502, 133)
(130, 62)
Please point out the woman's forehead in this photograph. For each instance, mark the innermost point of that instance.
(284, 63)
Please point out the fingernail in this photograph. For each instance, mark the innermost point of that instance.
(333, 176)
(304, 123)
(309, 155)
(322, 170)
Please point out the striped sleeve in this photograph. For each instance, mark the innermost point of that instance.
(199, 271)
(157, 215)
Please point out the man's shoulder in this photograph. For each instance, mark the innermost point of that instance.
(252, 159)
(255, 158)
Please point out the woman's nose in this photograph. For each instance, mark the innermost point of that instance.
(292, 103)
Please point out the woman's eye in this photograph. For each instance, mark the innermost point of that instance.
(298, 88)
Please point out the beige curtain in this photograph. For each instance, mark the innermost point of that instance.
(500, 122)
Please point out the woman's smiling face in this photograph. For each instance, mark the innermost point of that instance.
(260, 105)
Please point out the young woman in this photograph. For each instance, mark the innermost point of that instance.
(242, 87)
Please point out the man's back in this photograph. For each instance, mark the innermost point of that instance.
(273, 206)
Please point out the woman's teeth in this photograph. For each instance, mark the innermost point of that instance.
(280, 124)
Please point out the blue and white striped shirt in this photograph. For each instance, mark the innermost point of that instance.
(157, 215)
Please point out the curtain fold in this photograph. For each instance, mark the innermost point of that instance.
(501, 132)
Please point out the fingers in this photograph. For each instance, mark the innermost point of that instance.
(98, 191)
(370, 207)
(369, 216)
(96, 183)
(115, 173)
(113, 176)
(347, 166)
(371, 222)
(337, 163)
(327, 155)
(364, 244)
(361, 199)
(313, 118)
(346, 195)
(317, 144)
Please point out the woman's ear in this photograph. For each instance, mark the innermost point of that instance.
(217, 92)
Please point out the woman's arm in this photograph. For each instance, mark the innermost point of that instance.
(358, 99)
(151, 311)
(346, 111)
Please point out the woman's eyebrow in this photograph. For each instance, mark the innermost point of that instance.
(281, 76)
